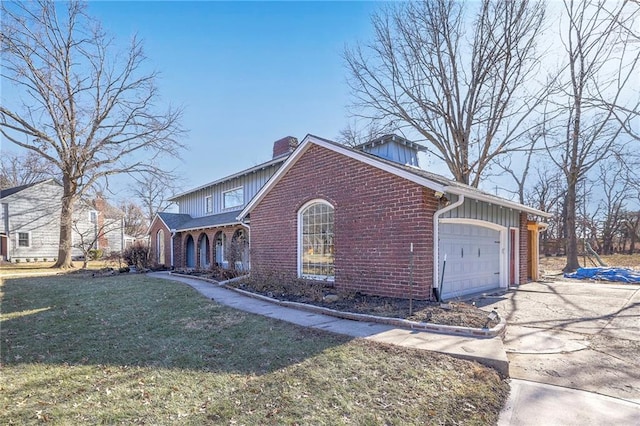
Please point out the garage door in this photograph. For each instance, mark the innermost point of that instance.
(473, 259)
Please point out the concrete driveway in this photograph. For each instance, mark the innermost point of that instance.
(579, 335)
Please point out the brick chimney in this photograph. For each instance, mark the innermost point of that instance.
(284, 146)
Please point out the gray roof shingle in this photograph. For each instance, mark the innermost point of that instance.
(184, 222)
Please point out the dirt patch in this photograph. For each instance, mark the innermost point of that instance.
(459, 314)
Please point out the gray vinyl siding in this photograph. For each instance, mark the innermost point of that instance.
(42, 223)
(36, 210)
(194, 202)
(480, 210)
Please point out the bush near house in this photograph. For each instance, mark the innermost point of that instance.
(95, 254)
(138, 255)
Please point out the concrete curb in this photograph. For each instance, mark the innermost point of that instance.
(479, 333)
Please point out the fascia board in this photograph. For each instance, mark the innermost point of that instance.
(497, 201)
(207, 227)
(379, 164)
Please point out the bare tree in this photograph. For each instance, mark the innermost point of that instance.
(153, 190)
(601, 63)
(615, 194)
(25, 169)
(135, 221)
(461, 82)
(353, 136)
(85, 107)
(545, 194)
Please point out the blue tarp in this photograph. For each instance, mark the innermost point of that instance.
(606, 274)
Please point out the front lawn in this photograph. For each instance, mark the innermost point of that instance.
(132, 349)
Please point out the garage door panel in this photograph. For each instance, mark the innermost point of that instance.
(473, 259)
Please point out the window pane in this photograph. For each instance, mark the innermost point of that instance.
(233, 198)
(23, 239)
(317, 241)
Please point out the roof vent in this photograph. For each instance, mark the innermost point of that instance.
(394, 148)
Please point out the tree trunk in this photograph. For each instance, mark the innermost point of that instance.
(66, 225)
(570, 230)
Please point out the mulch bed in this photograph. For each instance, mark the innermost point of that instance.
(456, 314)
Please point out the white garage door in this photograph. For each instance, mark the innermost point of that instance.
(473, 259)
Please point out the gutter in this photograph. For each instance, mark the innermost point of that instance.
(436, 223)
(173, 235)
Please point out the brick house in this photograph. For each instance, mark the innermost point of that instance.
(375, 225)
(365, 219)
(206, 230)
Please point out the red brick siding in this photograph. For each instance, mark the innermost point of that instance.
(524, 247)
(377, 216)
(284, 146)
(180, 244)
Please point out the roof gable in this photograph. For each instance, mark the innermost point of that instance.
(14, 190)
(172, 220)
(421, 177)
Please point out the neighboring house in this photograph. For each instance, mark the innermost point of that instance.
(206, 230)
(30, 223)
(368, 219)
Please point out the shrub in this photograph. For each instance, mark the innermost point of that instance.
(95, 254)
(138, 255)
(17, 260)
(28, 260)
(44, 259)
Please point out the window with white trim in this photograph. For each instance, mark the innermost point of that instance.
(315, 241)
(23, 239)
(93, 216)
(208, 204)
(233, 198)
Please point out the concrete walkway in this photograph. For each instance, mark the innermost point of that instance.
(529, 403)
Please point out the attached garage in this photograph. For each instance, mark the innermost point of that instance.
(391, 227)
(474, 258)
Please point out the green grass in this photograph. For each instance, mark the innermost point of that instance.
(131, 349)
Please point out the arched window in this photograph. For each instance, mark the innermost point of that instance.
(160, 255)
(315, 240)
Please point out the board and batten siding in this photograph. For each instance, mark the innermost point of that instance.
(194, 203)
(481, 210)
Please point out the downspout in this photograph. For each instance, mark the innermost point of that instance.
(173, 235)
(244, 223)
(249, 254)
(436, 246)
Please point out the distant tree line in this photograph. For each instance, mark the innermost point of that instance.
(502, 88)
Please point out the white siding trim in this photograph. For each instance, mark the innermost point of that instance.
(18, 239)
(516, 278)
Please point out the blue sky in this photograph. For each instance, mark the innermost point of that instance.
(246, 73)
